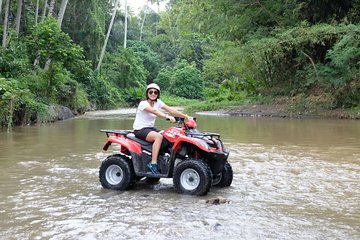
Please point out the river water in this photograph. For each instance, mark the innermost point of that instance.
(293, 179)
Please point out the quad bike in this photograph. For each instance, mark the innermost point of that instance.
(195, 160)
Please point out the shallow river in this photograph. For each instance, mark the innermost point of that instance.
(293, 179)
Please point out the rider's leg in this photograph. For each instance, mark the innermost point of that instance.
(156, 138)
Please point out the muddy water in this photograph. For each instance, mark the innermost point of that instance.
(293, 179)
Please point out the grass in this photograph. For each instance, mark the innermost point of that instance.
(176, 101)
(216, 104)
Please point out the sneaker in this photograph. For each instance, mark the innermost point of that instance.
(153, 167)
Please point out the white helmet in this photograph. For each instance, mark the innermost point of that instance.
(152, 86)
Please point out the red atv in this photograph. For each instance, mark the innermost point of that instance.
(195, 160)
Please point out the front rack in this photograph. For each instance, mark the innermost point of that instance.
(205, 134)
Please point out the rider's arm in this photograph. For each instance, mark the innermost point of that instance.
(156, 112)
(175, 112)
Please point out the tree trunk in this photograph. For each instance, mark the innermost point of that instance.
(43, 15)
(36, 12)
(50, 14)
(6, 21)
(143, 20)
(51, 8)
(18, 17)
(0, 6)
(157, 21)
(107, 35)
(125, 31)
(62, 11)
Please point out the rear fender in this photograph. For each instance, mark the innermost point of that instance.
(126, 144)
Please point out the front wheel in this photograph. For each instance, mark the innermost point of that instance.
(225, 177)
(116, 173)
(193, 177)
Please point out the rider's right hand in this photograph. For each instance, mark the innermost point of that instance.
(171, 119)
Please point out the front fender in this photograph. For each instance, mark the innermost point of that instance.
(196, 142)
(125, 144)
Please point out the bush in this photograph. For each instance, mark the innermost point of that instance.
(176, 101)
(163, 79)
(133, 96)
(187, 82)
(102, 93)
(17, 104)
(13, 60)
(150, 59)
(125, 69)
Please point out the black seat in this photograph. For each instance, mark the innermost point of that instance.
(142, 142)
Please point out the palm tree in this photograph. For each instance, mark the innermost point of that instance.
(125, 30)
(51, 8)
(37, 12)
(62, 11)
(18, 17)
(143, 20)
(43, 14)
(108, 34)
(0, 6)
(6, 22)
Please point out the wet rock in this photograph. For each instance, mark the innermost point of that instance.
(216, 226)
(217, 200)
(57, 113)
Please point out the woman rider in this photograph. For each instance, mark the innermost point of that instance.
(145, 121)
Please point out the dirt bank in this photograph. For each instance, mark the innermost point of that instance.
(279, 110)
(258, 110)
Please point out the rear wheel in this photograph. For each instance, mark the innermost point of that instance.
(225, 177)
(116, 173)
(193, 177)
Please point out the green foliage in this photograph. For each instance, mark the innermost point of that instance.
(102, 93)
(150, 59)
(213, 105)
(306, 50)
(187, 82)
(217, 71)
(79, 102)
(172, 100)
(165, 47)
(194, 48)
(85, 21)
(17, 104)
(125, 69)
(355, 112)
(14, 60)
(134, 95)
(47, 41)
(163, 79)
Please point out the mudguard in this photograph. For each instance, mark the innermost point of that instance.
(125, 144)
(201, 144)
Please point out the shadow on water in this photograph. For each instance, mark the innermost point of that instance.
(293, 179)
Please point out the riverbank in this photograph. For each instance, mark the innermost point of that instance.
(254, 110)
(282, 111)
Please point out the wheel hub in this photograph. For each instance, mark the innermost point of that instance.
(114, 174)
(190, 179)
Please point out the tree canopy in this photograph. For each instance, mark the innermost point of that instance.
(224, 50)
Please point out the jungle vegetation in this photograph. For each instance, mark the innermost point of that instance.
(99, 54)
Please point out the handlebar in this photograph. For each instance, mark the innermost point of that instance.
(181, 120)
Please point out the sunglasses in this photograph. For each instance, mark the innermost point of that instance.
(153, 92)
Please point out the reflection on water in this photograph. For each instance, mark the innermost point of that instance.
(293, 179)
